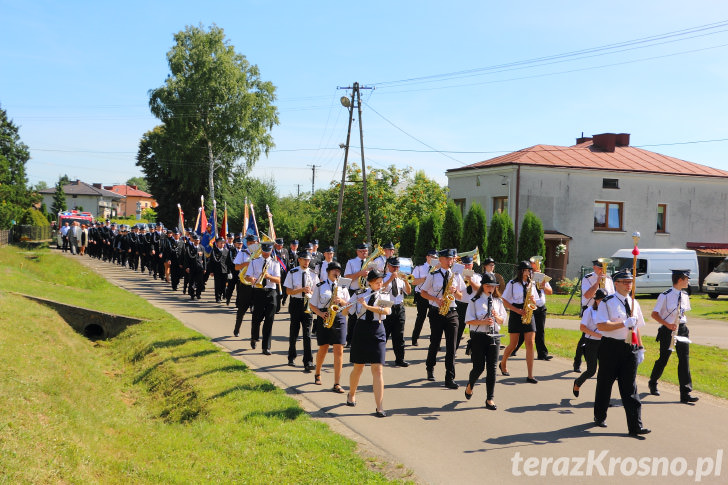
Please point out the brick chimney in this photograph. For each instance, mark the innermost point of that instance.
(97, 186)
(622, 139)
(605, 142)
(136, 187)
(582, 139)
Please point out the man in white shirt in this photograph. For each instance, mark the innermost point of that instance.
(381, 261)
(589, 286)
(299, 284)
(619, 319)
(397, 288)
(268, 271)
(354, 270)
(420, 274)
(244, 295)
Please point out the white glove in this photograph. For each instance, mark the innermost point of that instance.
(630, 322)
(640, 356)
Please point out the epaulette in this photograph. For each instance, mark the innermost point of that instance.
(475, 298)
(667, 292)
(589, 275)
(294, 270)
(609, 297)
(320, 283)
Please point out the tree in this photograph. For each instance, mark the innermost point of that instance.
(452, 227)
(41, 185)
(429, 236)
(216, 116)
(408, 238)
(475, 230)
(530, 238)
(59, 200)
(501, 238)
(14, 154)
(140, 182)
(33, 217)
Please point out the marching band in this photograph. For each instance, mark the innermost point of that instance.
(366, 308)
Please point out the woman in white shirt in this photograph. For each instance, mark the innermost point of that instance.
(592, 339)
(484, 315)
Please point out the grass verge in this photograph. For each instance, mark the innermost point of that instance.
(157, 404)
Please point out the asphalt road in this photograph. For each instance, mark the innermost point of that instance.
(540, 432)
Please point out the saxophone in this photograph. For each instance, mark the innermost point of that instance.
(528, 305)
(333, 309)
(263, 273)
(447, 296)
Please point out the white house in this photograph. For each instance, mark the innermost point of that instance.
(100, 202)
(592, 196)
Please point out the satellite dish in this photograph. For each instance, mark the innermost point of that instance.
(345, 102)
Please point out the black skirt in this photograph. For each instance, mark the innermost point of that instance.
(331, 336)
(369, 343)
(516, 326)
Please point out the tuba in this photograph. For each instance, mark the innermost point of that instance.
(528, 305)
(605, 262)
(474, 253)
(374, 254)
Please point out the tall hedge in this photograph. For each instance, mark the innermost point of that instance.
(34, 217)
(408, 238)
(429, 236)
(502, 238)
(452, 227)
(530, 239)
(475, 230)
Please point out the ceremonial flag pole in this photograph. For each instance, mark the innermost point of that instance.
(181, 222)
(632, 336)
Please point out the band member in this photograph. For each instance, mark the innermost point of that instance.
(592, 339)
(172, 256)
(472, 285)
(589, 285)
(420, 274)
(299, 284)
(670, 311)
(396, 288)
(485, 315)
(316, 256)
(280, 254)
(489, 267)
(236, 247)
(320, 303)
(244, 296)
(354, 270)
(380, 262)
(293, 255)
(618, 360)
(265, 274)
(322, 268)
(217, 265)
(539, 316)
(441, 289)
(515, 298)
(368, 346)
(195, 263)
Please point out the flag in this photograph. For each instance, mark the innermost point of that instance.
(207, 240)
(201, 219)
(224, 228)
(181, 222)
(252, 227)
(272, 233)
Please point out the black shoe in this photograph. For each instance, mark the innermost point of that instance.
(291, 363)
(347, 346)
(414, 343)
(380, 414)
(513, 354)
(252, 343)
(468, 396)
(500, 366)
(492, 407)
(653, 389)
(266, 352)
(600, 423)
(235, 334)
(531, 380)
(640, 431)
(545, 357)
(351, 404)
(401, 363)
(689, 399)
(430, 375)
(307, 368)
(575, 390)
(577, 368)
(451, 385)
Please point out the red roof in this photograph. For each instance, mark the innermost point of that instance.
(586, 155)
(129, 191)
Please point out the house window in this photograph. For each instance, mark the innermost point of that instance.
(610, 183)
(460, 204)
(661, 217)
(500, 204)
(607, 216)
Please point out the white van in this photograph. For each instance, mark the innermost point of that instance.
(654, 267)
(716, 283)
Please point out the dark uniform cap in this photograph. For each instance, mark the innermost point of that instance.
(219, 238)
(374, 274)
(680, 273)
(189, 229)
(623, 274)
(432, 252)
(251, 237)
(266, 247)
(447, 253)
(362, 246)
(466, 259)
(333, 265)
(230, 234)
(389, 245)
(596, 263)
(294, 242)
(524, 265)
(329, 249)
(314, 241)
(488, 261)
(309, 246)
(489, 279)
(600, 294)
(393, 262)
(279, 240)
(304, 254)
(159, 224)
(238, 240)
(170, 231)
(194, 236)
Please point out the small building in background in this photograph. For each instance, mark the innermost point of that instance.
(132, 195)
(593, 195)
(91, 198)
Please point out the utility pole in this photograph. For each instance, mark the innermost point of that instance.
(349, 104)
(298, 190)
(313, 177)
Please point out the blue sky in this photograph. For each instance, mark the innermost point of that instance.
(75, 77)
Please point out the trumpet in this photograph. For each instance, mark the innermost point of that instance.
(605, 262)
(409, 278)
(263, 274)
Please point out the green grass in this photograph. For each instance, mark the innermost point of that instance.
(702, 306)
(157, 404)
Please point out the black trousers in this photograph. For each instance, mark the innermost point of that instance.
(484, 351)
(461, 308)
(220, 285)
(264, 310)
(194, 287)
(682, 349)
(591, 355)
(175, 273)
(243, 302)
(394, 328)
(423, 306)
(439, 324)
(579, 346)
(539, 317)
(231, 283)
(299, 320)
(618, 361)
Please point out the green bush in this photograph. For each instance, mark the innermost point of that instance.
(429, 236)
(530, 239)
(408, 238)
(566, 285)
(34, 217)
(452, 229)
(475, 230)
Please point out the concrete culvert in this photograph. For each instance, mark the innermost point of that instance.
(93, 332)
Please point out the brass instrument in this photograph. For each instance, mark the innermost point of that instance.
(410, 278)
(263, 274)
(333, 308)
(605, 262)
(374, 254)
(306, 298)
(528, 305)
(447, 296)
(474, 253)
(435, 268)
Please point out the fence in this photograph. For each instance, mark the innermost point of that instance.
(5, 237)
(31, 233)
